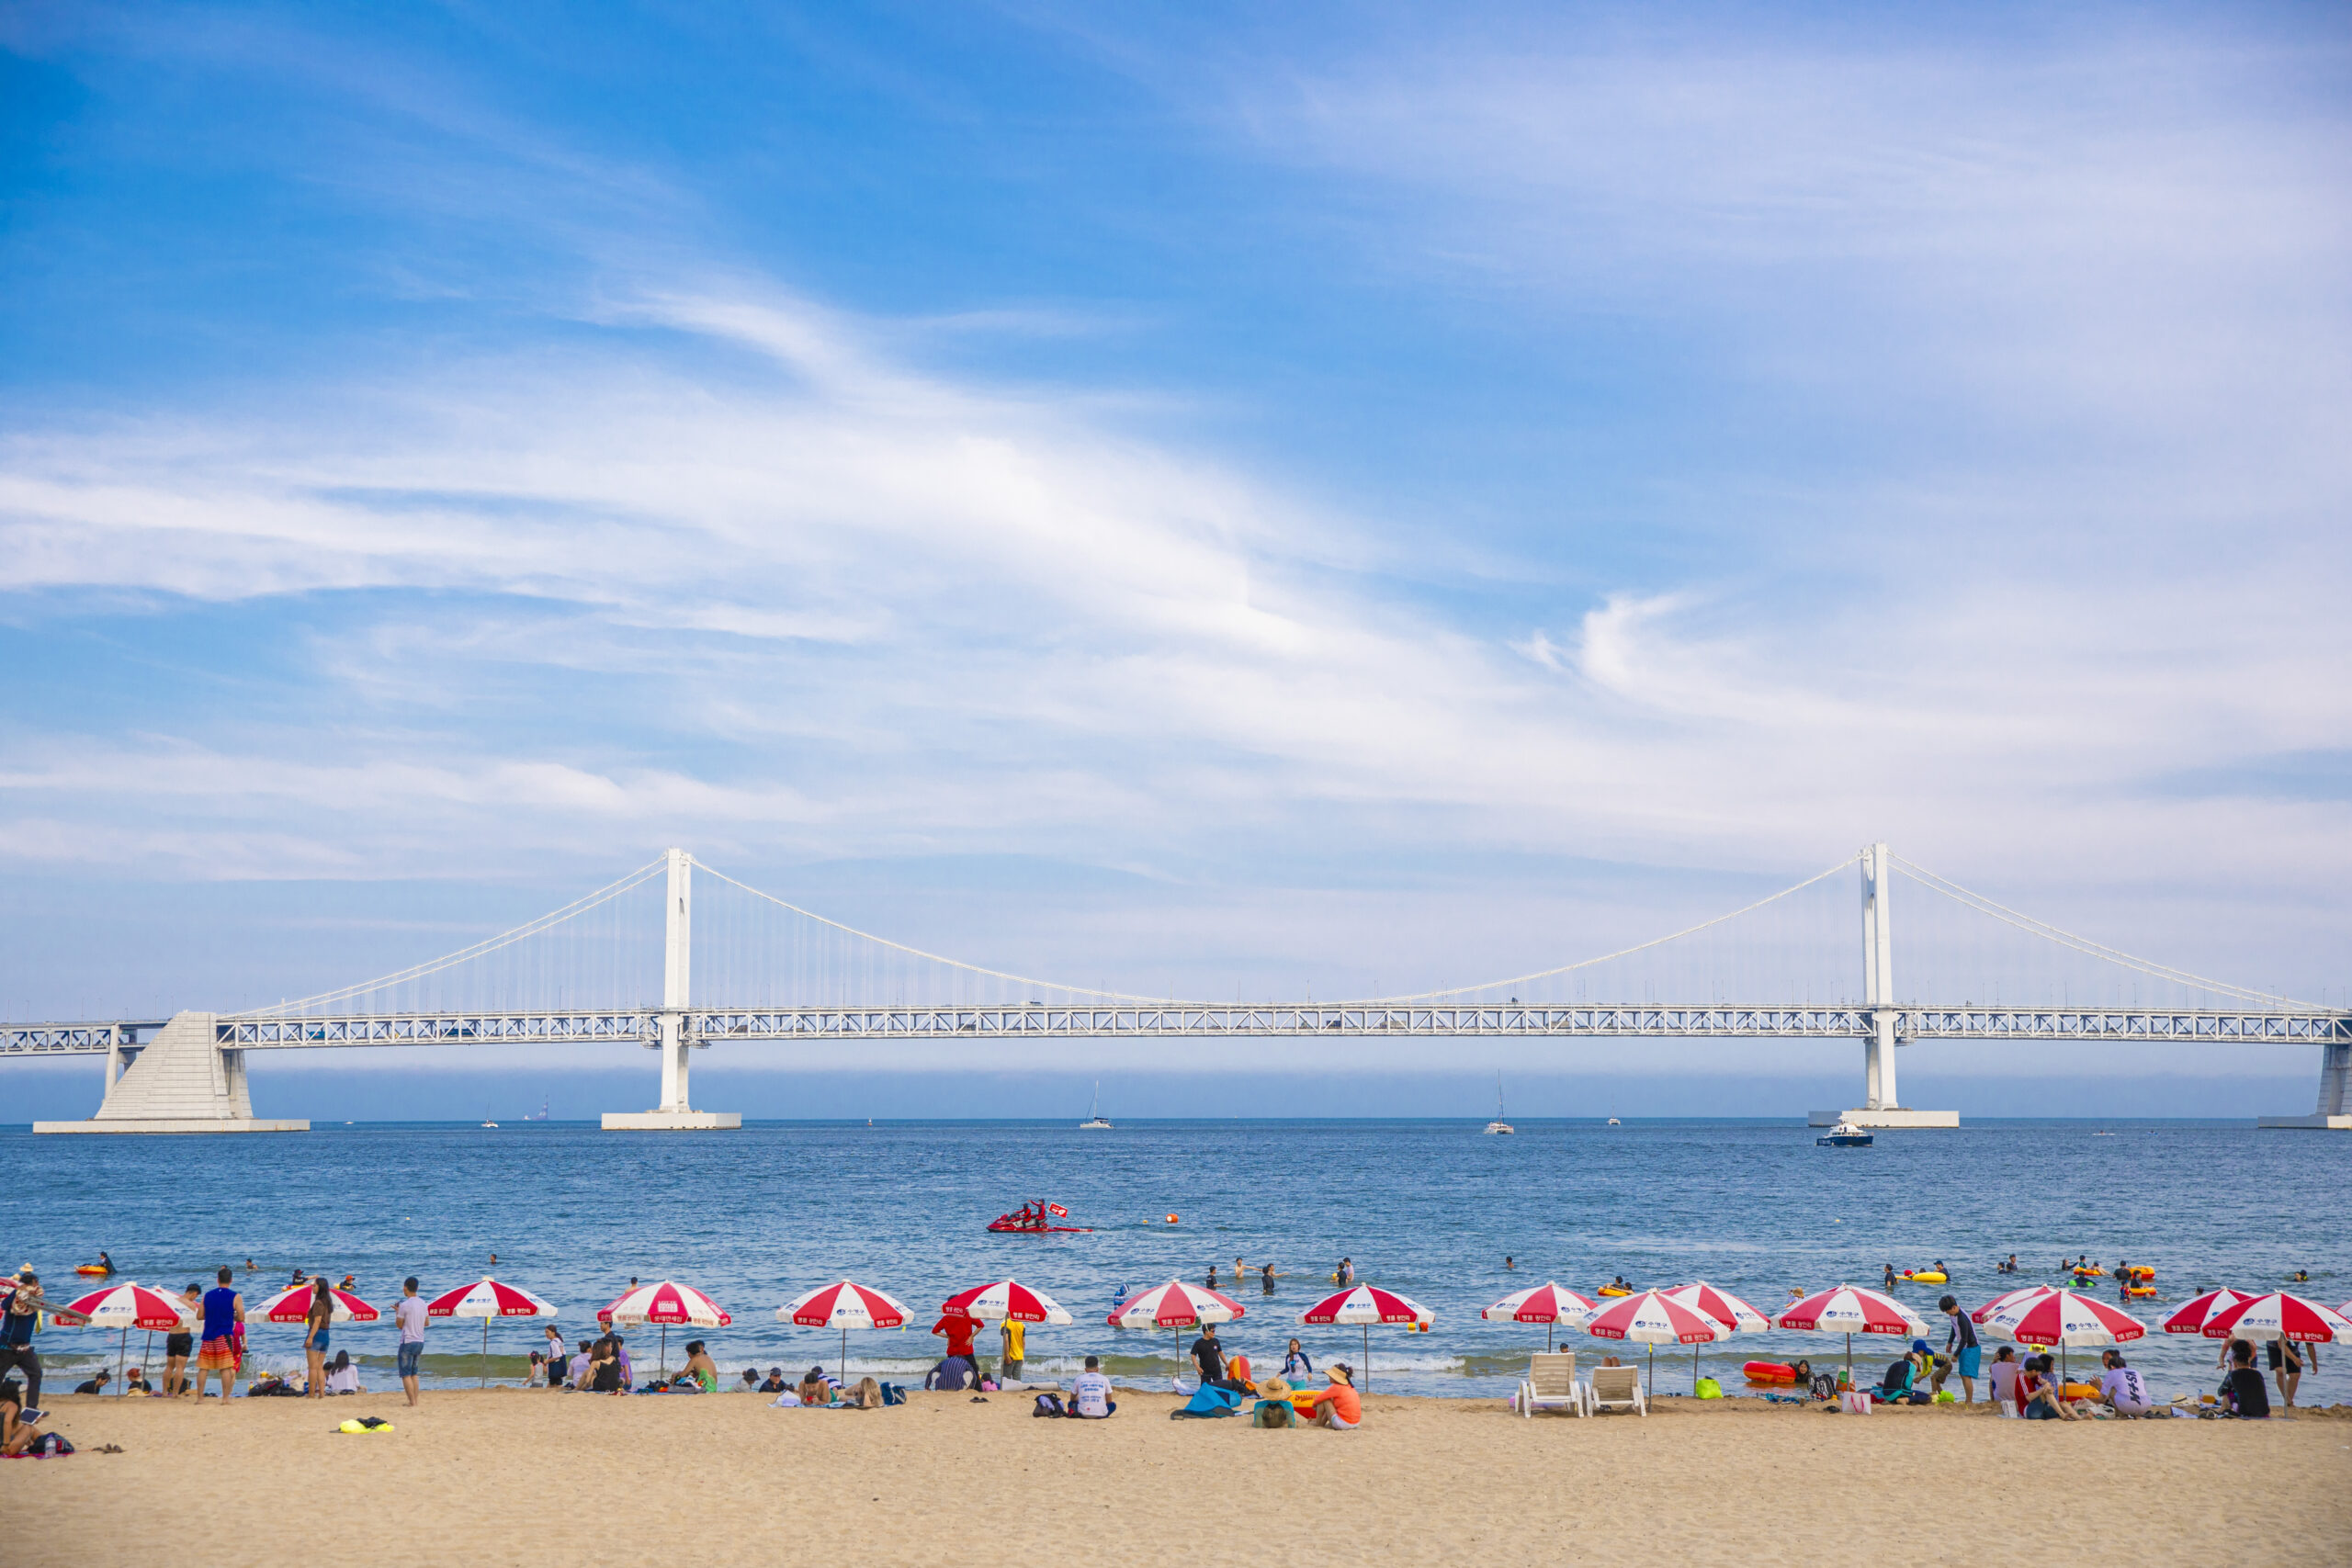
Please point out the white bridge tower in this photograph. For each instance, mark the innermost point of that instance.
(1880, 1107)
(675, 1039)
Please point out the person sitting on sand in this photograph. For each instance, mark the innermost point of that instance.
(1338, 1406)
(774, 1384)
(94, 1385)
(604, 1367)
(700, 1366)
(1090, 1393)
(2243, 1394)
(2038, 1392)
(16, 1435)
(2001, 1378)
(814, 1388)
(750, 1383)
(2122, 1387)
(343, 1377)
(135, 1383)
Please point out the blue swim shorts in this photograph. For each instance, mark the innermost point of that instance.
(412, 1352)
(1970, 1355)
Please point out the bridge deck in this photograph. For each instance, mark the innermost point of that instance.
(1194, 1021)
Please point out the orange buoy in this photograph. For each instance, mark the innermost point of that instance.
(1172, 1219)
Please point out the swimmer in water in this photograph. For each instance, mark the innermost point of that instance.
(1266, 1277)
(1507, 1264)
(251, 1267)
(350, 1282)
(106, 1263)
(493, 1260)
(1890, 1275)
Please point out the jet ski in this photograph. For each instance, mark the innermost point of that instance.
(1037, 1219)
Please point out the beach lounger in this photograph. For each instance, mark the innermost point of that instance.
(1551, 1380)
(1615, 1388)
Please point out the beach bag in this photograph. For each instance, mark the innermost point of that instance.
(361, 1425)
(1049, 1405)
(893, 1395)
(49, 1445)
(1854, 1402)
(1823, 1385)
(1274, 1412)
(1709, 1389)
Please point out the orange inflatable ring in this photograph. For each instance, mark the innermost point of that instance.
(1769, 1372)
(93, 1268)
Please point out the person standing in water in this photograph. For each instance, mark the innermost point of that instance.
(1266, 1278)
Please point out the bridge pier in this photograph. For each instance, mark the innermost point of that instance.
(674, 1115)
(2334, 1110)
(183, 1080)
(1882, 1106)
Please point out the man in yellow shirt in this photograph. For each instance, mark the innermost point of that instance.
(1015, 1333)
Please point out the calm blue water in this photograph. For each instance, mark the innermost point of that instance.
(1427, 1208)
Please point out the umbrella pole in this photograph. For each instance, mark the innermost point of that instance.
(482, 1381)
(846, 1350)
(664, 1371)
(120, 1344)
(1367, 1358)
(148, 1359)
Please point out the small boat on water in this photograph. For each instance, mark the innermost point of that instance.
(1845, 1135)
(1499, 1125)
(1614, 1123)
(1094, 1122)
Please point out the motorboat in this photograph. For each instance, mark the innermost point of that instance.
(1499, 1125)
(1094, 1122)
(1845, 1135)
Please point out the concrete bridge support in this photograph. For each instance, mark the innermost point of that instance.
(1880, 1107)
(183, 1080)
(674, 1115)
(2335, 1110)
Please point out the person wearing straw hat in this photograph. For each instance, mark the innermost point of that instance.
(1339, 1406)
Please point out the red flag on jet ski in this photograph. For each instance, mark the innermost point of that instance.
(1057, 1210)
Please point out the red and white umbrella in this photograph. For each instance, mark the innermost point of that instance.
(1850, 1310)
(2006, 1300)
(1548, 1303)
(2064, 1319)
(1720, 1306)
(2281, 1314)
(1174, 1305)
(1005, 1301)
(665, 1301)
(1366, 1305)
(292, 1304)
(487, 1298)
(128, 1307)
(1652, 1318)
(2192, 1316)
(845, 1305)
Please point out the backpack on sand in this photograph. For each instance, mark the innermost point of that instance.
(1049, 1405)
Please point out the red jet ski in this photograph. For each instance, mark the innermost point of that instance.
(1036, 1219)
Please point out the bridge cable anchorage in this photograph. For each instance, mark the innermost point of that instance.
(2043, 929)
(579, 906)
(1623, 952)
(938, 958)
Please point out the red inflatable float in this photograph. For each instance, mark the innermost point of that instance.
(1769, 1372)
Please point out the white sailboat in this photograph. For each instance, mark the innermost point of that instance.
(1499, 1125)
(1094, 1122)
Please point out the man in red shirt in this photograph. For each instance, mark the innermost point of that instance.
(959, 1330)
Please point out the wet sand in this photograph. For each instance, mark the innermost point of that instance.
(519, 1477)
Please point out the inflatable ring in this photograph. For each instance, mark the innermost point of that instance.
(93, 1268)
(1769, 1372)
(1924, 1276)
(1612, 1291)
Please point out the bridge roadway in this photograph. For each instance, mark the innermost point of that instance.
(1197, 1020)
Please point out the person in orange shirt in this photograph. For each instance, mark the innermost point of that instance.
(1339, 1407)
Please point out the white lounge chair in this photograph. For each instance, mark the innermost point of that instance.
(1551, 1380)
(1615, 1388)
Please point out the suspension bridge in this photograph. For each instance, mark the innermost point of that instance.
(774, 971)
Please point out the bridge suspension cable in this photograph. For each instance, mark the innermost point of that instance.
(2048, 933)
(578, 906)
(1627, 951)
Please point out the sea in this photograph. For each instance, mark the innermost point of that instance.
(1431, 1209)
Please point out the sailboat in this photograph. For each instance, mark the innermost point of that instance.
(1499, 1125)
(1094, 1122)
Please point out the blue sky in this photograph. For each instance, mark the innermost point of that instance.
(1201, 484)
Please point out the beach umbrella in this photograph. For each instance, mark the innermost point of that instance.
(128, 1307)
(2064, 1319)
(1366, 1305)
(1720, 1306)
(2192, 1316)
(1175, 1305)
(1850, 1310)
(2281, 1314)
(1653, 1318)
(292, 1304)
(1005, 1301)
(665, 1301)
(1548, 1303)
(845, 1305)
(2006, 1300)
(487, 1298)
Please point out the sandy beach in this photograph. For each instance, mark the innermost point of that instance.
(511, 1476)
